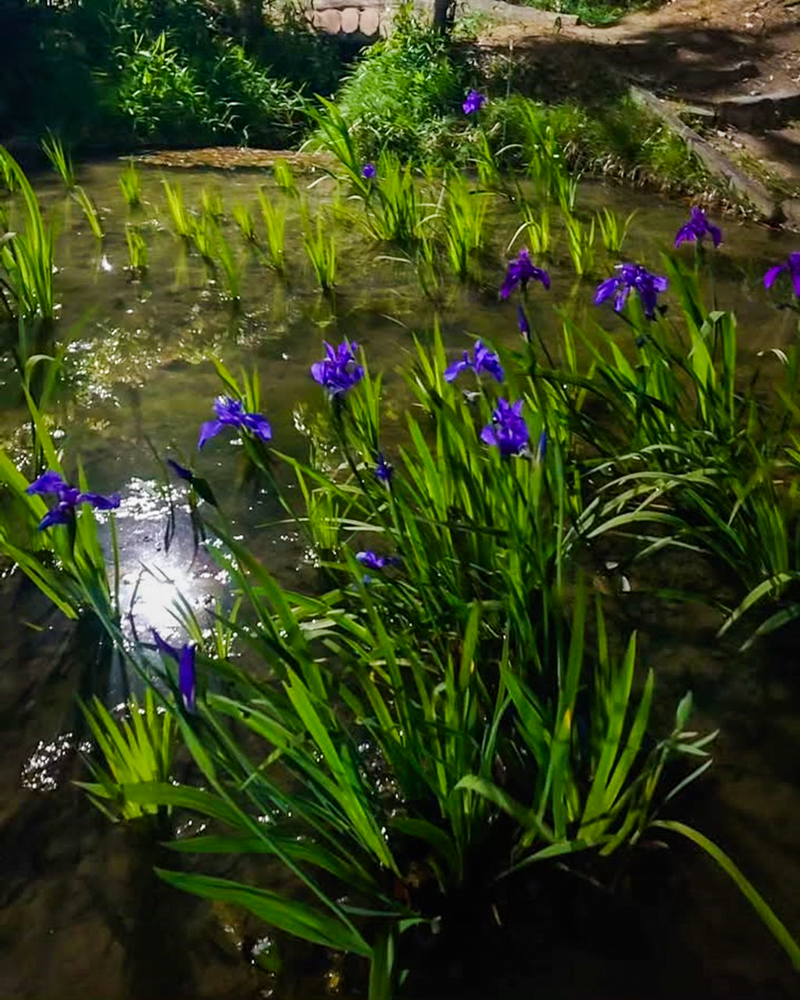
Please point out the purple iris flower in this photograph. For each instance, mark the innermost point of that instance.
(231, 413)
(523, 324)
(368, 171)
(520, 272)
(508, 430)
(383, 470)
(632, 277)
(791, 267)
(339, 371)
(473, 103)
(372, 560)
(697, 227)
(483, 360)
(187, 677)
(67, 499)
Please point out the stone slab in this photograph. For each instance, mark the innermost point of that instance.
(350, 20)
(369, 22)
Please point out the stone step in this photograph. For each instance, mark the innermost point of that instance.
(758, 112)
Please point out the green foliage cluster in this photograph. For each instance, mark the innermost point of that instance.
(169, 72)
(616, 138)
(404, 93)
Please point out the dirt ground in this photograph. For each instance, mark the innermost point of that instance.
(705, 54)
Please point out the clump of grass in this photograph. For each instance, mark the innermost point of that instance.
(60, 160)
(211, 203)
(89, 209)
(136, 750)
(130, 182)
(320, 247)
(27, 255)
(284, 177)
(613, 229)
(179, 216)
(137, 251)
(580, 240)
(463, 222)
(275, 226)
(243, 218)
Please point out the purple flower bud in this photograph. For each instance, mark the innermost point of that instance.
(523, 324)
(368, 171)
(383, 470)
(187, 675)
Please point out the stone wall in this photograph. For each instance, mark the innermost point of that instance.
(361, 21)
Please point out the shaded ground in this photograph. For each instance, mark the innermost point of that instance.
(706, 53)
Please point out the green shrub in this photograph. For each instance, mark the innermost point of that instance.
(402, 95)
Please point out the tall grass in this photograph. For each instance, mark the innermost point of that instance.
(176, 208)
(89, 209)
(130, 183)
(275, 226)
(27, 256)
(137, 251)
(320, 247)
(463, 223)
(60, 160)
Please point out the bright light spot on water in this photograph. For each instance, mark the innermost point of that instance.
(41, 771)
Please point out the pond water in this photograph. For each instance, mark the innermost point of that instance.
(80, 913)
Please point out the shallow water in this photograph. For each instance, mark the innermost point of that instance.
(80, 915)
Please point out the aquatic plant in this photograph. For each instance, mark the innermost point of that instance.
(136, 749)
(89, 209)
(507, 430)
(536, 226)
(580, 240)
(613, 229)
(284, 177)
(338, 371)
(137, 251)
(243, 218)
(225, 260)
(68, 565)
(320, 248)
(176, 207)
(60, 159)
(130, 183)
(211, 203)
(27, 255)
(463, 224)
(275, 224)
